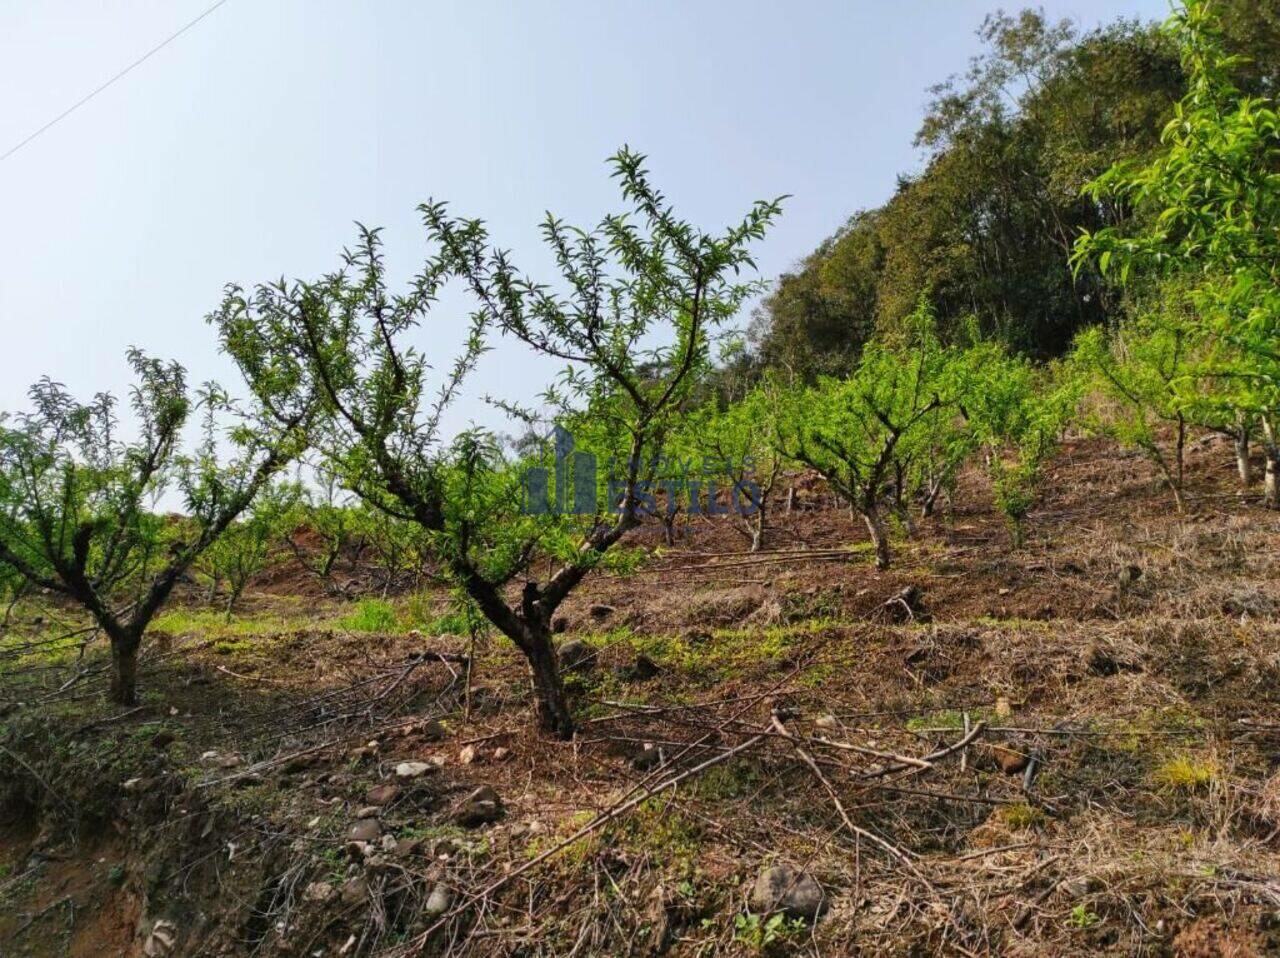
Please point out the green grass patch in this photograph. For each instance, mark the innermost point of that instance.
(371, 615)
(211, 623)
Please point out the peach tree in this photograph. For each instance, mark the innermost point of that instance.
(79, 501)
(630, 317)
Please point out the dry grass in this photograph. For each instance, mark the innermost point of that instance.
(1128, 653)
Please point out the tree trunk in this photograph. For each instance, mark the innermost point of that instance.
(879, 537)
(1017, 532)
(233, 596)
(550, 701)
(1271, 483)
(931, 498)
(1179, 457)
(124, 670)
(1243, 466)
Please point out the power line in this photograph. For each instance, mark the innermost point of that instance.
(136, 63)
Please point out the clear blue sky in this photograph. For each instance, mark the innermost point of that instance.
(245, 149)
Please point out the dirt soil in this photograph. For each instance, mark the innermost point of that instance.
(1067, 749)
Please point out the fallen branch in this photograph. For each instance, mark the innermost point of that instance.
(888, 846)
(416, 946)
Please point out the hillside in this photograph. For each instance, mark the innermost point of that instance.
(1065, 749)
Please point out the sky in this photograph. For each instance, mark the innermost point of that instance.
(245, 150)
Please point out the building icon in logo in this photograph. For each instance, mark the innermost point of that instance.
(575, 481)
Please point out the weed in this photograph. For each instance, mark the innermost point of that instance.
(733, 780)
(1022, 816)
(664, 831)
(1082, 917)
(758, 933)
(450, 623)
(335, 864)
(1185, 773)
(947, 719)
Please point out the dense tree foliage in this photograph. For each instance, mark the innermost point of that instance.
(1211, 199)
(987, 226)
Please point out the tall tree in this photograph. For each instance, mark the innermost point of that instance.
(987, 226)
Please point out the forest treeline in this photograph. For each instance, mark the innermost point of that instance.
(1176, 240)
(988, 225)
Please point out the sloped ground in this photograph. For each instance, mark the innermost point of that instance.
(1117, 683)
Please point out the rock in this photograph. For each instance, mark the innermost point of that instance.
(355, 891)
(467, 755)
(368, 811)
(576, 656)
(299, 763)
(827, 723)
(430, 729)
(407, 847)
(162, 739)
(443, 848)
(358, 851)
(644, 669)
(1129, 575)
(390, 843)
(410, 770)
(439, 901)
(383, 794)
(794, 893)
(501, 753)
(160, 941)
(1011, 760)
(1100, 661)
(479, 808)
(320, 891)
(601, 611)
(644, 757)
(366, 830)
(228, 761)
(559, 624)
